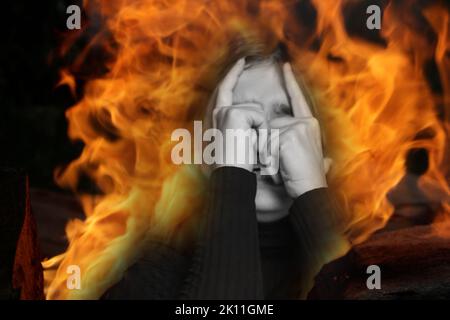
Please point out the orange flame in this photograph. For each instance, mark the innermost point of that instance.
(373, 99)
(67, 79)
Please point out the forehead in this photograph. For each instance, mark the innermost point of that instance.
(261, 83)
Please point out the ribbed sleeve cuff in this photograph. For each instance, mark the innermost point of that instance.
(227, 264)
(316, 219)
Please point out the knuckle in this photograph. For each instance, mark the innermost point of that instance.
(232, 114)
(290, 135)
(301, 127)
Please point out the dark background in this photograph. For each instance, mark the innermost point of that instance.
(32, 122)
(33, 128)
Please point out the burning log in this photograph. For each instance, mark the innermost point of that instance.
(20, 269)
(414, 263)
(412, 250)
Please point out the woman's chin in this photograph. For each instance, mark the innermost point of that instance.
(271, 201)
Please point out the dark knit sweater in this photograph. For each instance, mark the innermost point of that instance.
(237, 258)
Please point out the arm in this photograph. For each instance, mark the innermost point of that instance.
(315, 219)
(227, 262)
(314, 214)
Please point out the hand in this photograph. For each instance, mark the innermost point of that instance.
(302, 166)
(241, 119)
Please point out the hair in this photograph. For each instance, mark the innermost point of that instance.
(254, 53)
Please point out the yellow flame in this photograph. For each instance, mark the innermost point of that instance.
(373, 101)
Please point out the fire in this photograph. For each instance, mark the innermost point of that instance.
(68, 80)
(373, 100)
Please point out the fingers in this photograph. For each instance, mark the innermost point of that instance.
(240, 116)
(306, 125)
(225, 93)
(238, 123)
(268, 151)
(301, 129)
(255, 117)
(287, 122)
(300, 107)
(284, 122)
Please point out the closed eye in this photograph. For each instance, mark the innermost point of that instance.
(282, 109)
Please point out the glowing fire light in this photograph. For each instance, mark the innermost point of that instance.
(373, 102)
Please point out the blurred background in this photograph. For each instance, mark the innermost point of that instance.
(32, 123)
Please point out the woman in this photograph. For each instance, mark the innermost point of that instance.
(265, 237)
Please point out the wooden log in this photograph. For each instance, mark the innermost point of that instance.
(20, 268)
(414, 263)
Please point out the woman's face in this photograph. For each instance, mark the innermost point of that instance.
(263, 83)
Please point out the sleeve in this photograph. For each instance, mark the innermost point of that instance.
(315, 218)
(227, 260)
(156, 275)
